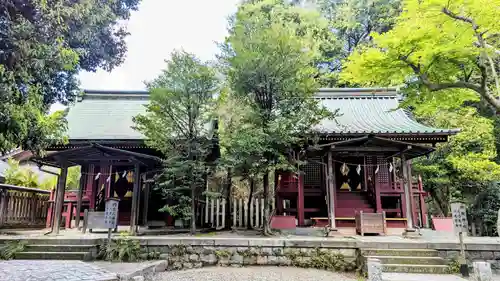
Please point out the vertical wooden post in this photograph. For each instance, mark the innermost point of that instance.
(412, 197)
(83, 182)
(300, 199)
(59, 202)
(331, 188)
(135, 196)
(146, 205)
(423, 207)
(407, 193)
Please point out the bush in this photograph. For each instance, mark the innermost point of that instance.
(121, 250)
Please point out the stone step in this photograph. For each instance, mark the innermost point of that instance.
(400, 252)
(55, 241)
(59, 248)
(85, 256)
(416, 268)
(409, 260)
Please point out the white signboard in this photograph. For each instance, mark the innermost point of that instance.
(111, 213)
(459, 214)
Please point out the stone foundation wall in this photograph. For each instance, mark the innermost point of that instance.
(188, 255)
(474, 252)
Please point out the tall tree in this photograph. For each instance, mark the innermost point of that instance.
(271, 71)
(353, 22)
(177, 123)
(43, 46)
(439, 45)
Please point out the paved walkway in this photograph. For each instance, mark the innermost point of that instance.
(48, 270)
(267, 273)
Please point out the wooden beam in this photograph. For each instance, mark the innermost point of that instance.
(331, 193)
(365, 149)
(146, 204)
(135, 196)
(407, 194)
(59, 202)
(83, 182)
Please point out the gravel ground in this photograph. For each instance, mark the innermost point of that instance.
(253, 274)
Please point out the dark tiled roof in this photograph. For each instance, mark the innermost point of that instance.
(107, 115)
(370, 111)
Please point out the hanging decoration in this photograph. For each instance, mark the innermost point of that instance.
(117, 176)
(97, 176)
(358, 187)
(130, 177)
(390, 167)
(358, 169)
(124, 174)
(344, 170)
(376, 170)
(108, 179)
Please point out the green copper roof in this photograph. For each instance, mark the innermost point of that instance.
(107, 115)
(370, 111)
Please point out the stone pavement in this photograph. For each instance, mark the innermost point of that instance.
(51, 270)
(420, 277)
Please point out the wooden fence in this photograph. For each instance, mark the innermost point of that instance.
(216, 208)
(22, 207)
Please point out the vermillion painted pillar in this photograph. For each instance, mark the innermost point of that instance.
(135, 199)
(408, 199)
(83, 182)
(59, 202)
(300, 199)
(331, 193)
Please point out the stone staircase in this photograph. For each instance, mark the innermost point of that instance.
(58, 249)
(408, 260)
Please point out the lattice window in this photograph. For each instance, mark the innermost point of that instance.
(383, 171)
(312, 173)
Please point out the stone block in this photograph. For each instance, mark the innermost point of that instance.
(306, 252)
(338, 244)
(235, 242)
(208, 250)
(266, 251)
(201, 241)
(261, 260)
(194, 257)
(177, 265)
(160, 266)
(210, 259)
(272, 260)
(266, 242)
(482, 271)
(164, 256)
(473, 255)
(374, 270)
(223, 261)
(487, 255)
(198, 265)
(187, 265)
(138, 278)
(250, 260)
(303, 243)
(283, 260)
(496, 255)
(277, 251)
(347, 252)
(452, 254)
(241, 250)
(236, 259)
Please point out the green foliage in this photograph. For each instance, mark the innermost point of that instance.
(320, 259)
(44, 44)
(437, 44)
(454, 266)
(178, 123)
(485, 209)
(20, 176)
(10, 248)
(353, 22)
(123, 249)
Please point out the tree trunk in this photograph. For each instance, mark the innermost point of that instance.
(249, 203)
(193, 209)
(229, 202)
(267, 230)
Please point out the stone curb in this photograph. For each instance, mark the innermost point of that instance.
(153, 267)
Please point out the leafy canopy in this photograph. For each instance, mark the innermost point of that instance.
(439, 44)
(43, 46)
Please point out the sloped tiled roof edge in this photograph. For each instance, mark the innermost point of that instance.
(370, 111)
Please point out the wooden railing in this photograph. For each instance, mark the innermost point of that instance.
(22, 206)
